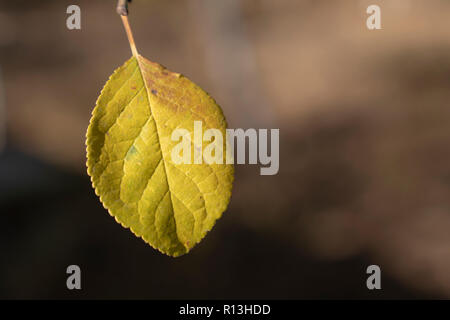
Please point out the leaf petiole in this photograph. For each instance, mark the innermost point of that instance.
(129, 35)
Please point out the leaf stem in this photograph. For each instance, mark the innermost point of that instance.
(129, 35)
(122, 10)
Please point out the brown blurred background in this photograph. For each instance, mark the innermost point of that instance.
(364, 172)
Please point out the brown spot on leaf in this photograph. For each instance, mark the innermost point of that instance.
(155, 92)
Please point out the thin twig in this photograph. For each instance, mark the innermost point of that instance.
(122, 7)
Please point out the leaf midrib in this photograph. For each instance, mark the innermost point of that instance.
(162, 152)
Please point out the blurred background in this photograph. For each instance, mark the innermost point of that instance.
(364, 174)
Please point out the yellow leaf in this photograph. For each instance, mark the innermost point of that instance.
(171, 206)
